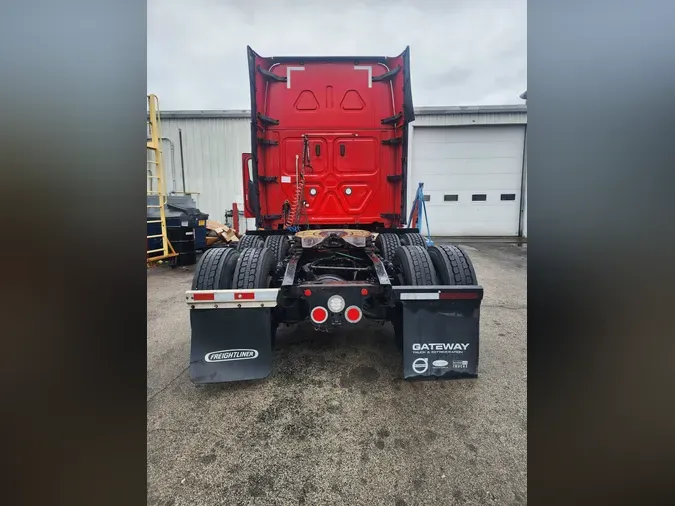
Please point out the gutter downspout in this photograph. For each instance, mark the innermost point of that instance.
(182, 164)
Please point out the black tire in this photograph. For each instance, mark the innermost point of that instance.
(279, 244)
(415, 266)
(387, 244)
(250, 241)
(254, 268)
(215, 269)
(220, 245)
(413, 239)
(453, 265)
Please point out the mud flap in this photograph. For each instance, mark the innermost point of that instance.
(230, 344)
(439, 328)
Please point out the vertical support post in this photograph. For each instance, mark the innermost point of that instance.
(235, 217)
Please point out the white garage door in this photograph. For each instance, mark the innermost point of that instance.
(472, 178)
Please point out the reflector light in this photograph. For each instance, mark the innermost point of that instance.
(319, 314)
(308, 292)
(458, 295)
(353, 314)
(336, 303)
(364, 291)
(244, 295)
(204, 296)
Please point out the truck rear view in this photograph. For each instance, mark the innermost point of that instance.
(326, 185)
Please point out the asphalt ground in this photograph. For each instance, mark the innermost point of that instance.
(334, 423)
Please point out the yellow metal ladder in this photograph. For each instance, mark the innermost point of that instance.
(155, 172)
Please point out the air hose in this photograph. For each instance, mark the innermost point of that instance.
(295, 207)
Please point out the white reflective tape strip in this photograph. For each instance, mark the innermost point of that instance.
(288, 75)
(369, 68)
(285, 179)
(233, 304)
(420, 296)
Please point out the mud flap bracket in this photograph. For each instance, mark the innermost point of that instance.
(439, 330)
(230, 344)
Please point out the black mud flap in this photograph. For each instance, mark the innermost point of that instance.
(439, 327)
(230, 344)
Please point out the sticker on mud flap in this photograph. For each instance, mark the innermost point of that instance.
(285, 179)
(230, 355)
(439, 357)
(439, 348)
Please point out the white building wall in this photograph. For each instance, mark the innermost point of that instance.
(212, 149)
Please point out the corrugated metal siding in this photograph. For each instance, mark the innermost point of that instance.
(480, 118)
(212, 149)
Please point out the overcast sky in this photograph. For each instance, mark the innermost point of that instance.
(463, 52)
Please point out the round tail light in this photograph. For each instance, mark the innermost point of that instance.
(319, 314)
(353, 314)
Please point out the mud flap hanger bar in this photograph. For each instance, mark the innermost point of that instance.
(453, 292)
(232, 299)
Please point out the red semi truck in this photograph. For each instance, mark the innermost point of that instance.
(326, 185)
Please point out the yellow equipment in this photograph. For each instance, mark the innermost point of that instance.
(155, 172)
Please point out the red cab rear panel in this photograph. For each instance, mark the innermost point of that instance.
(346, 116)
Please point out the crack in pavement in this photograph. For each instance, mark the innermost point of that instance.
(504, 306)
(167, 385)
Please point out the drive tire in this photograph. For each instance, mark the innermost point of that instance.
(254, 268)
(215, 269)
(279, 244)
(413, 239)
(415, 266)
(250, 241)
(453, 265)
(387, 244)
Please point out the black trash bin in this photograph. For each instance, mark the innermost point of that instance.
(183, 241)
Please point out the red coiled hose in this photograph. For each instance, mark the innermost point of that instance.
(294, 211)
(295, 205)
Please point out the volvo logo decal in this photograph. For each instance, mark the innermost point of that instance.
(420, 365)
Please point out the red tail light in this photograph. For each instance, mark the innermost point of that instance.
(353, 314)
(319, 314)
